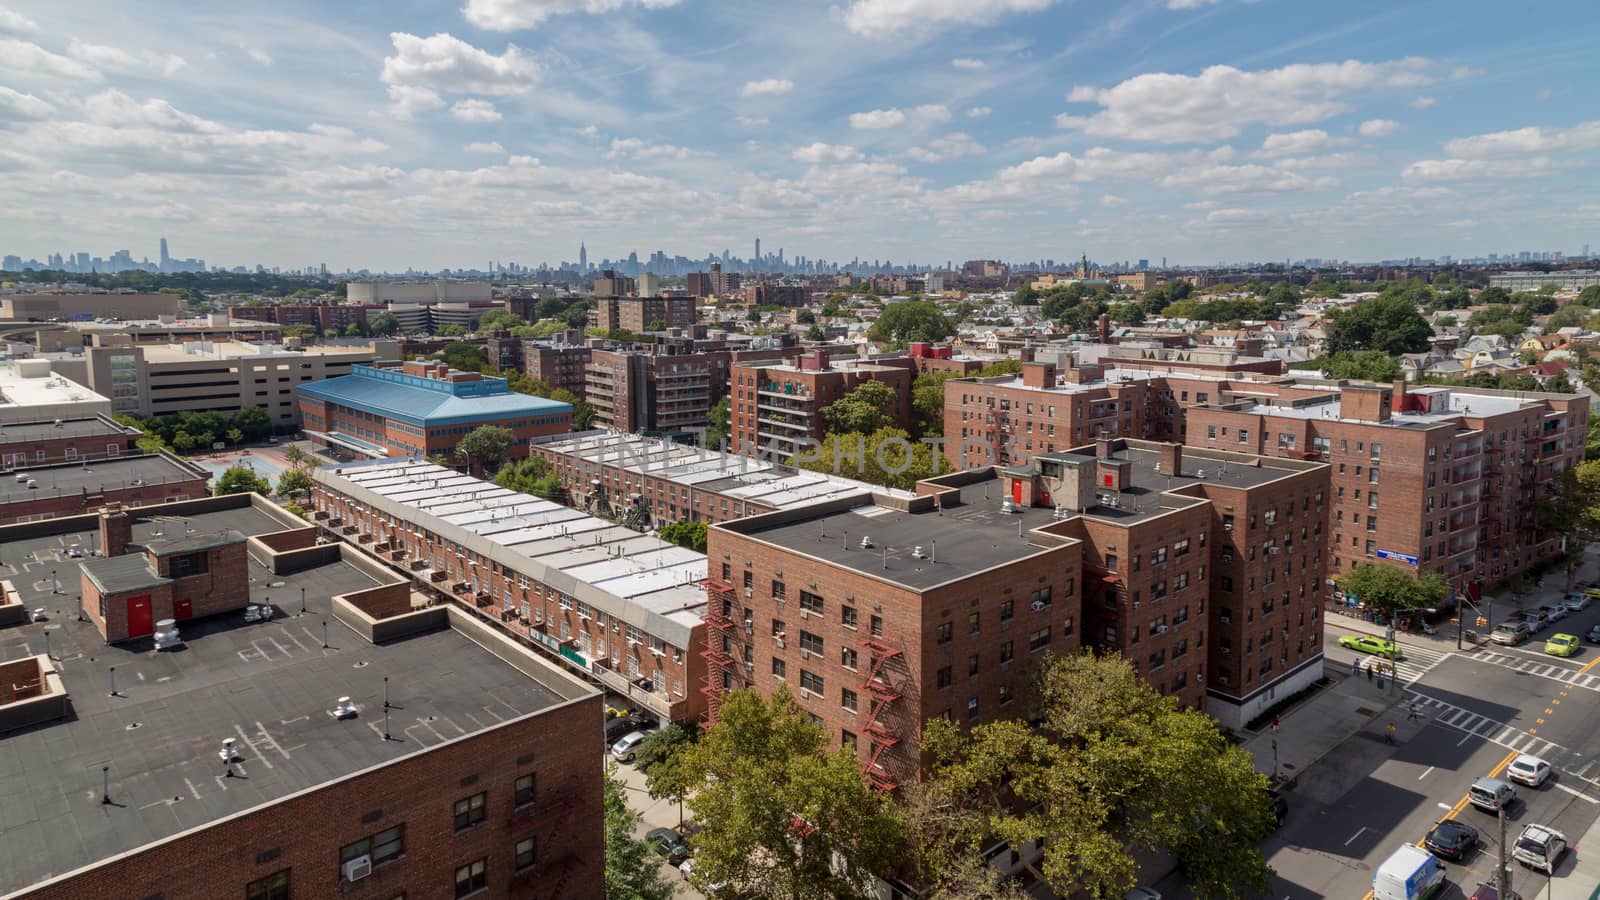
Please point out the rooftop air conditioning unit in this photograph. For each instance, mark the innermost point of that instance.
(358, 868)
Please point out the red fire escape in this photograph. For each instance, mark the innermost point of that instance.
(880, 733)
(546, 880)
(719, 628)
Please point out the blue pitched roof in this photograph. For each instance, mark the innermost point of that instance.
(427, 406)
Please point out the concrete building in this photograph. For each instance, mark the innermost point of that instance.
(638, 314)
(1567, 280)
(32, 491)
(1442, 479)
(779, 405)
(420, 408)
(31, 392)
(46, 306)
(649, 285)
(72, 337)
(381, 293)
(265, 759)
(609, 284)
(652, 482)
(603, 601)
(430, 317)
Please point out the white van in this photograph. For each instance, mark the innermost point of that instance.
(1410, 873)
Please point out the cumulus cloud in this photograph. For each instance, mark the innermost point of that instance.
(967, 62)
(1113, 201)
(894, 117)
(876, 18)
(1222, 100)
(30, 59)
(12, 22)
(1422, 103)
(15, 105)
(1482, 169)
(260, 56)
(979, 112)
(475, 111)
(422, 69)
(634, 148)
(116, 59)
(1311, 140)
(1380, 128)
(1246, 179)
(1190, 4)
(1582, 137)
(751, 121)
(766, 87)
(826, 153)
(483, 147)
(950, 146)
(513, 15)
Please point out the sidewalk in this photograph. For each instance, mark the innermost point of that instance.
(655, 814)
(1311, 731)
(1578, 879)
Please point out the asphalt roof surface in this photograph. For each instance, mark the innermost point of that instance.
(95, 476)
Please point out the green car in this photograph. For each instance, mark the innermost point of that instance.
(1366, 643)
(1561, 645)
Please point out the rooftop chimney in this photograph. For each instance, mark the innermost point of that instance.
(1104, 447)
(1172, 459)
(1038, 375)
(116, 530)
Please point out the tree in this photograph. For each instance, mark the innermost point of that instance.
(1390, 324)
(805, 317)
(866, 409)
(234, 435)
(1392, 590)
(720, 419)
(296, 457)
(1372, 365)
(656, 325)
(632, 870)
(944, 842)
(927, 402)
(1112, 769)
(240, 480)
(1494, 294)
(815, 333)
(499, 320)
(298, 332)
(293, 482)
(450, 329)
(486, 446)
(686, 534)
(383, 324)
(783, 819)
(887, 456)
(661, 758)
(1571, 511)
(531, 476)
(255, 422)
(1589, 296)
(465, 357)
(910, 320)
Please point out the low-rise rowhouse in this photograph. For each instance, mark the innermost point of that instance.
(35, 492)
(620, 607)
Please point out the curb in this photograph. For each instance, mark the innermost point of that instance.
(1291, 784)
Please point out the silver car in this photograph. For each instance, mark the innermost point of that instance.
(627, 746)
(1555, 612)
(1576, 602)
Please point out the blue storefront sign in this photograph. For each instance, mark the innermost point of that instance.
(1390, 554)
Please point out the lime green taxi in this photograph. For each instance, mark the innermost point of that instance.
(1561, 645)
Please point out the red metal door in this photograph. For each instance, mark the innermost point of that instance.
(182, 609)
(1016, 491)
(139, 619)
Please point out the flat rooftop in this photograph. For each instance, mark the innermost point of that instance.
(747, 478)
(1459, 404)
(96, 476)
(1148, 492)
(171, 353)
(642, 580)
(51, 390)
(34, 432)
(268, 685)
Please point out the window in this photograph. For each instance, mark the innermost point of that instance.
(1244, 435)
(812, 683)
(810, 642)
(1039, 640)
(1181, 548)
(875, 625)
(972, 665)
(847, 739)
(525, 854)
(1180, 581)
(1158, 556)
(942, 677)
(847, 657)
(1066, 627)
(777, 628)
(472, 877)
(778, 667)
(272, 887)
(811, 603)
(847, 616)
(972, 623)
(1005, 694)
(384, 846)
(1006, 609)
(944, 632)
(749, 579)
(523, 790)
(471, 810)
(777, 590)
(1040, 598)
(847, 699)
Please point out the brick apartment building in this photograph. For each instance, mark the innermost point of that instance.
(637, 314)
(65, 440)
(1442, 479)
(321, 316)
(906, 610)
(779, 405)
(666, 387)
(713, 283)
(421, 408)
(603, 601)
(49, 491)
(770, 293)
(562, 365)
(471, 780)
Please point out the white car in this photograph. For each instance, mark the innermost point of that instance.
(1576, 602)
(1142, 893)
(1555, 612)
(687, 869)
(1529, 770)
(627, 746)
(1540, 847)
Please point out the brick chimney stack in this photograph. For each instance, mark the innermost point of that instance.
(116, 530)
(1172, 459)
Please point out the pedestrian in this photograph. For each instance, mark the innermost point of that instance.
(1411, 713)
(1369, 673)
(1355, 667)
(1389, 734)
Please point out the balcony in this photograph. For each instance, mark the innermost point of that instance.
(654, 701)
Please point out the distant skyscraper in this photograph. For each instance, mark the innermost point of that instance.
(758, 254)
(166, 259)
(583, 257)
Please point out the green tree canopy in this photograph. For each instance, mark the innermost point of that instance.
(531, 476)
(720, 423)
(1494, 294)
(298, 331)
(866, 409)
(661, 758)
(1113, 768)
(1371, 365)
(911, 320)
(1388, 588)
(450, 329)
(633, 871)
(1571, 510)
(888, 457)
(499, 320)
(383, 324)
(686, 534)
(1390, 324)
(465, 357)
(782, 818)
(1589, 296)
(294, 481)
(240, 480)
(486, 446)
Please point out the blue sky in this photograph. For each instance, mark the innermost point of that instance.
(394, 134)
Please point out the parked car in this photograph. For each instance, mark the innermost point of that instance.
(1554, 612)
(1142, 893)
(622, 725)
(1540, 847)
(1593, 590)
(1577, 602)
(1561, 645)
(1593, 636)
(1537, 619)
(1452, 840)
(668, 843)
(1491, 794)
(686, 868)
(1366, 643)
(625, 749)
(1511, 632)
(1529, 770)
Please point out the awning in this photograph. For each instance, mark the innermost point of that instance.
(350, 443)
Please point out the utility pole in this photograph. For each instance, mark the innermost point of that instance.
(1502, 875)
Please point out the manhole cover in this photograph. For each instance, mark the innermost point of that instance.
(1363, 711)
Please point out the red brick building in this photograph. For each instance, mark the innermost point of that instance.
(75, 488)
(25, 444)
(180, 577)
(667, 387)
(638, 314)
(779, 405)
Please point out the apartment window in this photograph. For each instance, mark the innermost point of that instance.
(472, 878)
(972, 665)
(1158, 556)
(777, 590)
(1005, 694)
(847, 616)
(1066, 627)
(1211, 432)
(811, 603)
(812, 683)
(847, 739)
(272, 887)
(1039, 640)
(1180, 581)
(1005, 652)
(1372, 523)
(847, 658)
(525, 853)
(1377, 451)
(847, 699)
(1225, 615)
(972, 623)
(875, 625)
(522, 792)
(810, 642)
(1158, 660)
(1040, 598)
(944, 632)
(778, 667)
(1244, 435)
(942, 678)
(386, 845)
(1181, 548)
(471, 810)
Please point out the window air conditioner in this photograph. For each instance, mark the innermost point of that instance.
(1161, 629)
(358, 868)
(1038, 605)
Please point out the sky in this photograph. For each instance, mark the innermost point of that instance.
(400, 133)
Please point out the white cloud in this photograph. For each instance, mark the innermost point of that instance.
(15, 105)
(30, 59)
(826, 153)
(12, 22)
(1246, 179)
(589, 131)
(260, 56)
(424, 68)
(116, 59)
(1311, 140)
(1380, 128)
(979, 112)
(475, 111)
(1422, 103)
(633, 148)
(1325, 161)
(1112, 201)
(484, 147)
(875, 18)
(766, 87)
(967, 62)
(751, 121)
(950, 146)
(1582, 137)
(1482, 169)
(1190, 4)
(893, 117)
(1220, 101)
(512, 15)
